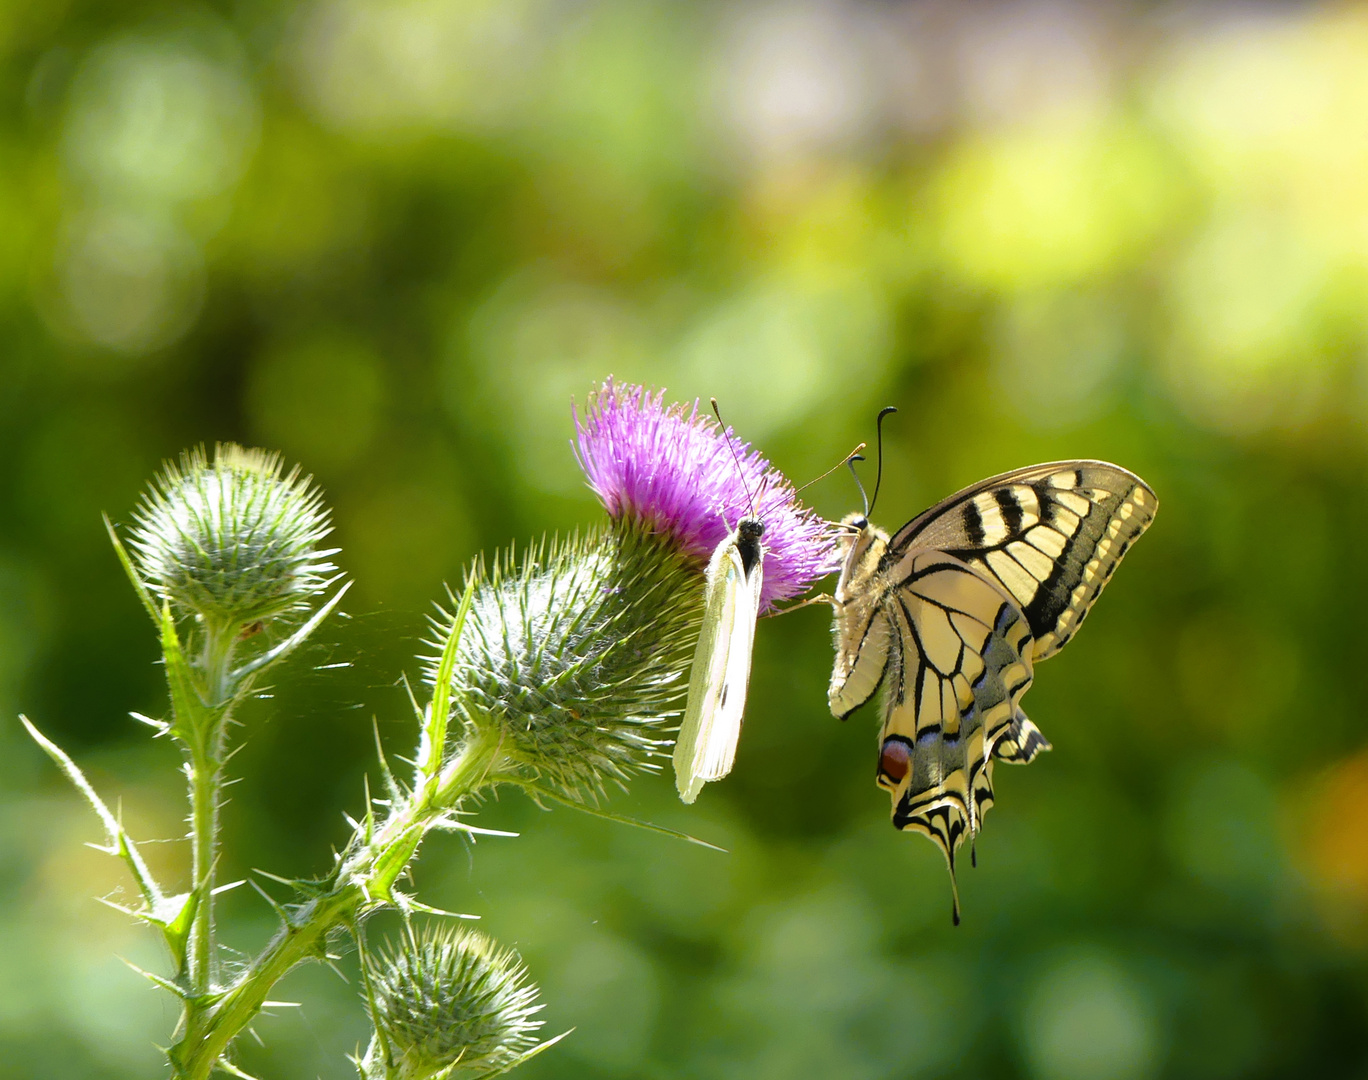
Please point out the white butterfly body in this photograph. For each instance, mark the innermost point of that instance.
(720, 675)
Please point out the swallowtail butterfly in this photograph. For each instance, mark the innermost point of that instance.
(952, 614)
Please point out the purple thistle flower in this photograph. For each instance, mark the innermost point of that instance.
(670, 468)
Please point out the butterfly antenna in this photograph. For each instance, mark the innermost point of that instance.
(850, 461)
(854, 455)
(878, 478)
(740, 471)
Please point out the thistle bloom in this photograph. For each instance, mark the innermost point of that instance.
(672, 469)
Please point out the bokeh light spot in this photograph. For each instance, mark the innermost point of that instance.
(559, 336)
(1085, 1017)
(793, 79)
(377, 66)
(130, 283)
(1246, 313)
(787, 346)
(1222, 829)
(320, 400)
(1049, 206)
(156, 120)
(1337, 830)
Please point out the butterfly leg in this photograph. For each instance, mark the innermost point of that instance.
(821, 598)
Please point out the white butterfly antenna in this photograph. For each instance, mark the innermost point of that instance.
(726, 434)
(854, 455)
(864, 497)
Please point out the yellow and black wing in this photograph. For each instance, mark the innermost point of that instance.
(1051, 535)
(959, 658)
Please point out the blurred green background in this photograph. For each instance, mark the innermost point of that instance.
(393, 238)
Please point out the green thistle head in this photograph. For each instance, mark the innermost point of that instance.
(575, 658)
(449, 1002)
(235, 541)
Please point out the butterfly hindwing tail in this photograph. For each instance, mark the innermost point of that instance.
(1021, 742)
(954, 689)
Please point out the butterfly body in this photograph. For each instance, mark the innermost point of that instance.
(949, 616)
(720, 674)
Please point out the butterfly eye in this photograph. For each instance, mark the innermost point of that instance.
(894, 759)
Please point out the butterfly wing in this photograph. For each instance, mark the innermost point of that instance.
(1051, 535)
(720, 675)
(962, 660)
(863, 631)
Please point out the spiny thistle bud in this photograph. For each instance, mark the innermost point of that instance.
(576, 654)
(235, 541)
(449, 1002)
(575, 658)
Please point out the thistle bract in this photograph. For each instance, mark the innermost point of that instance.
(675, 471)
(452, 1000)
(235, 541)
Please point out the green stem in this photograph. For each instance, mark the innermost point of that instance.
(208, 1034)
(363, 880)
(206, 786)
(204, 823)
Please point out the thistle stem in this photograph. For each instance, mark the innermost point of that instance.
(204, 824)
(206, 785)
(363, 879)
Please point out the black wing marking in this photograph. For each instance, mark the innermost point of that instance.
(962, 660)
(1050, 534)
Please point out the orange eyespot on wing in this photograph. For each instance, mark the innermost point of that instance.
(895, 761)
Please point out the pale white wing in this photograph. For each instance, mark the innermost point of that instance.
(719, 749)
(706, 745)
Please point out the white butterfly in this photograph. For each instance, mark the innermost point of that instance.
(706, 746)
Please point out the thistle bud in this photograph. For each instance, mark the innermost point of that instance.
(575, 657)
(235, 542)
(448, 1002)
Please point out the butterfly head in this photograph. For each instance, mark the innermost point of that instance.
(749, 530)
(862, 546)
